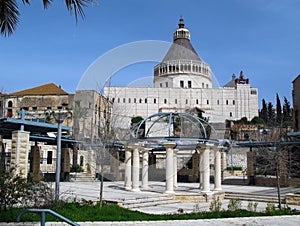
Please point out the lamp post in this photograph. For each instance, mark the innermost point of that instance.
(59, 118)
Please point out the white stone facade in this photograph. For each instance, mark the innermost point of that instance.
(218, 104)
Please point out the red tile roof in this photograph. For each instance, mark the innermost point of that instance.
(47, 89)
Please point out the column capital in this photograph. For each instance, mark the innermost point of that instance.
(201, 147)
(217, 148)
(136, 145)
(128, 148)
(169, 144)
(146, 149)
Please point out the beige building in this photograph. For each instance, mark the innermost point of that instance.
(38, 102)
(85, 109)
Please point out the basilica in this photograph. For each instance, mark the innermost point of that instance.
(182, 82)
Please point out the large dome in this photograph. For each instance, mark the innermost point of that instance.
(181, 66)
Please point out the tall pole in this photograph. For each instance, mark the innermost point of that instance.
(58, 158)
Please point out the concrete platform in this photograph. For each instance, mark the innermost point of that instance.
(115, 192)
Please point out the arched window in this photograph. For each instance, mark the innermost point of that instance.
(9, 104)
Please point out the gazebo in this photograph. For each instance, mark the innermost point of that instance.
(172, 132)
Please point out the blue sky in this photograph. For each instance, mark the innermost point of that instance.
(260, 37)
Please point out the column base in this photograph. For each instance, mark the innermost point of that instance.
(217, 189)
(135, 190)
(128, 188)
(170, 192)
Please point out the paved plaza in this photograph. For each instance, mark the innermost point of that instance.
(115, 192)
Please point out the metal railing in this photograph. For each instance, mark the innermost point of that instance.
(43, 216)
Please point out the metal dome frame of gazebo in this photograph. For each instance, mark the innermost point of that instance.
(182, 142)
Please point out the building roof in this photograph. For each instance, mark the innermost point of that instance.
(181, 49)
(231, 83)
(47, 89)
(298, 77)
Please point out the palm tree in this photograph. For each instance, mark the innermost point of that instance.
(9, 12)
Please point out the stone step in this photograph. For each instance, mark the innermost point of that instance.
(253, 197)
(148, 202)
(81, 177)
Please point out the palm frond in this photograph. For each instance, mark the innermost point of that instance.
(46, 3)
(9, 17)
(76, 6)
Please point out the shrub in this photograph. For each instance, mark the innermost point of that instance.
(270, 208)
(13, 189)
(16, 191)
(234, 205)
(215, 205)
(76, 168)
(252, 206)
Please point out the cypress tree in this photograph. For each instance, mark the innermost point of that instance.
(278, 110)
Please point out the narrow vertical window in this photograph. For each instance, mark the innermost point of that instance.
(154, 101)
(49, 157)
(190, 84)
(181, 84)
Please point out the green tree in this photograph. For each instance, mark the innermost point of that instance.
(271, 113)
(257, 120)
(278, 110)
(287, 111)
(10, 15)
(264, 111)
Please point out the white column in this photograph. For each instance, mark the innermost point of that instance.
(206, 169)
(169, 167)
(200, 149)
(145, 168)
(135, 168)
(128, 154)
(218, 186)
(175, 168)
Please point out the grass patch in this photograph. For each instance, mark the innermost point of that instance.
(110, 212)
